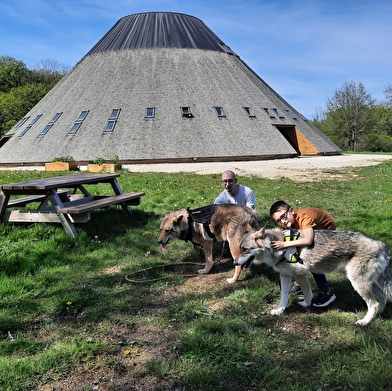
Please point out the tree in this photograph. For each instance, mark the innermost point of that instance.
(49, 71)
(349, 114)
(388, 95)
(13, 73)
(21, 89)
(16, 103)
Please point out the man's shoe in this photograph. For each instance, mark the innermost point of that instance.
(323, 299)
(296, 289)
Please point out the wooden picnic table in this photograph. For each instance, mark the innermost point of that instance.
(57, 205)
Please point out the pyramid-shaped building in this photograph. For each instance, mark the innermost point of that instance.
(161, 87)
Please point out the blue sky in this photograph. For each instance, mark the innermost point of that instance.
(304, 49)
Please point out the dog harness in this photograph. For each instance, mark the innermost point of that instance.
(291, 255)
(203, 216)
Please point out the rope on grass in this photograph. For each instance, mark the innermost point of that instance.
(162, 266)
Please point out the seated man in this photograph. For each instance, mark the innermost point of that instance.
(235, 193)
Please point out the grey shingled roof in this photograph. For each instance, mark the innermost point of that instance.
(165, 61)
(152, 30)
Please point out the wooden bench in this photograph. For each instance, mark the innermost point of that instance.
(23, 201)
(88, 204)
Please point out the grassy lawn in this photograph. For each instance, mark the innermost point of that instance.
(83, 314)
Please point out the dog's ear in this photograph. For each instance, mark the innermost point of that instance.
(260, 233)
(248, 228)
(178, 219)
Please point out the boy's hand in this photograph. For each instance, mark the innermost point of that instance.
(278, 245)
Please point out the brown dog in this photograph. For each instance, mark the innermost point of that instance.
(224, 222)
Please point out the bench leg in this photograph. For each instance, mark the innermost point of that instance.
(68, 226)
(127, 209)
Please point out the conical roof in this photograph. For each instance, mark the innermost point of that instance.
(161, 87)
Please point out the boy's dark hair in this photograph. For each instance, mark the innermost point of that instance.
(279, 205)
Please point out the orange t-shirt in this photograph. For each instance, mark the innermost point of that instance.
(313, 218)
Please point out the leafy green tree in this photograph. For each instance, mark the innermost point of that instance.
(13, 73)
(21, 89)
(16, 103)
(349, 114)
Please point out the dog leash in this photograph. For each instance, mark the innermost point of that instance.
(162, 266)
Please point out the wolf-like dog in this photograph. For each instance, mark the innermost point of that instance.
(223, 222)
(367, 264)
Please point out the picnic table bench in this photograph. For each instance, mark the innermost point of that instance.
(62, 206)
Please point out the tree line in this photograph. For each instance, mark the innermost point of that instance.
(352, 119)
(22, 88)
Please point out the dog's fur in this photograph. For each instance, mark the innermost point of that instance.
(228, 223)
(367, 264)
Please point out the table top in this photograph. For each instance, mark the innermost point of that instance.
(60, 182)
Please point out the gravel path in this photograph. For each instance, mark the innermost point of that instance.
(294, 167)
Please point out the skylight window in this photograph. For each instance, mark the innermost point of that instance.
(55, 118)
(150, 112)
(271, 115)
(110, 125)
(186, 112)
(78, 122)
(75, 127)
(219, 111)
(115, 114)
(25, 130)
(21, 122)
(249, 112)
(45, 129)
(292, 115)
(35, 119)
(112, 120)
(278, 113)
(83, 115)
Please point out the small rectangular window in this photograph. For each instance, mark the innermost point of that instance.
(78, 122)
(186, 112)
(292, 115)
(278, 113)
(21, 122)
(35, 119)
(75, 127)
(25, 130)
(83, 115)
(110, 125)
(45, 129)
(269, 113)
(219, 111)
(115, 114)
(249, 111)
(55, 118)
(150, 112)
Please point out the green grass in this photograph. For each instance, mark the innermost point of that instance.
(68, 312)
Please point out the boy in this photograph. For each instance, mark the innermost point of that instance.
(306, 220)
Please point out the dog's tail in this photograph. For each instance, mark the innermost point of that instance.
(387, 288)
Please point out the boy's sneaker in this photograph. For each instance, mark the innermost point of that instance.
(323, 299)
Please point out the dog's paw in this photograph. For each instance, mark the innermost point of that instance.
(304, 303)
(277, 311)
(203, 271)
(231, 280)
(361, 322)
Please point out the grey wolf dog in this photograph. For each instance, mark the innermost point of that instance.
(367, 264)
(224, 222)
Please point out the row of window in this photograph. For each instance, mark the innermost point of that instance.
(186, 112)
